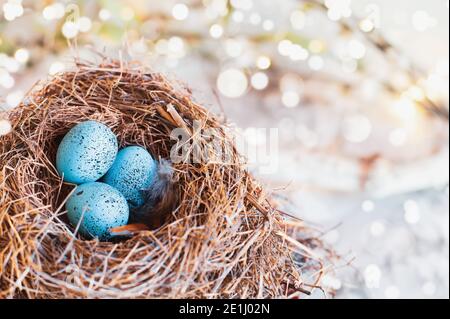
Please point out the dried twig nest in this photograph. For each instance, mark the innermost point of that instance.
(224, 239)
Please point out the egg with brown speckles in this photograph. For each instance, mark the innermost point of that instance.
(86, 152)
(132, 173)
(94, 208)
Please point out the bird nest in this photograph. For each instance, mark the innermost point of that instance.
(226, 238)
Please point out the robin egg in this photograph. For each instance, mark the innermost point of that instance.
(86, 152)
(132, 173)
(96, 208)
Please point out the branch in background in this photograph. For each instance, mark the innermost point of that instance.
(393, 56)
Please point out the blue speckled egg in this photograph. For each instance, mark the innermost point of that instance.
(86, 152)
(132, 172)
(102, 207)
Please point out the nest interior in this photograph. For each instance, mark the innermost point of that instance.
(225, 239)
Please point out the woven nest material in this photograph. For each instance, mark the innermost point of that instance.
(225, 239)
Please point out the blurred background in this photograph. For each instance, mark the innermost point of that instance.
(358, 91)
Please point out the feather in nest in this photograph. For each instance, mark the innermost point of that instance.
(161, 200)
